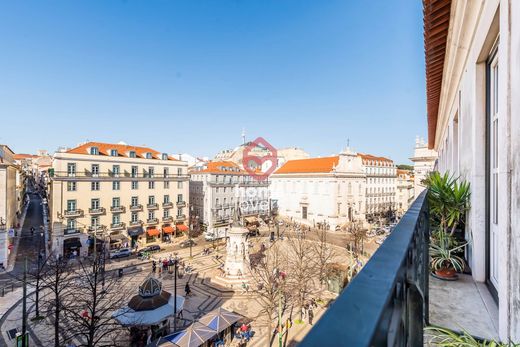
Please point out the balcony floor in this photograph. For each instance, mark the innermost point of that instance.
(463, 305)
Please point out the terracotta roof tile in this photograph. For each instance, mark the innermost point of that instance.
(221, 167)
(311, 165)
(122, 150)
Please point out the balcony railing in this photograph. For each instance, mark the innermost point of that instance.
(136, 208)
(96, 211)
(386, 304)
(117, 226)
(181, 203)
(96, 228)
(168, 219)
(117, 209)
(109, 175)
(152, 221)
(153, 206)
(180, 217)
(136, 223)
(73, 213)
(168, 204)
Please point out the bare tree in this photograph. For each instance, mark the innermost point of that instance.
(323, 254)
(56, 280)
(357, 236)
(268, 281)
(96, 298)
(302, 269)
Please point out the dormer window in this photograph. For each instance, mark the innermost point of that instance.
(148, 155)
(94, 151)
(131, 154)
(113, 152)
(165, 156)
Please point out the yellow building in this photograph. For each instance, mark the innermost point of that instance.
(126, 195)
(9, 202)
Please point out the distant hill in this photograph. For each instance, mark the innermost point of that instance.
(405, 167)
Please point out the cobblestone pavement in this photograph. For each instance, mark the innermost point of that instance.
(205, 297)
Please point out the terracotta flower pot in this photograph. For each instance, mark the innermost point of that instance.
(448, 273)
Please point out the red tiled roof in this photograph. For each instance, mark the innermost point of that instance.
(24, 156)
(311, 165)
(122, 150)
(221, 167)
(367, 157)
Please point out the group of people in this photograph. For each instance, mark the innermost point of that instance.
(244, 332)
(308, 310)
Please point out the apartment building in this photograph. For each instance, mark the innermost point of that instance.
(124, 194)
(329, 190)
(9, 201)
(405, 192)
(474, 125)
(423, 160)
(381, 183)
(218, 188)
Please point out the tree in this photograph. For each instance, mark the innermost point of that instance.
(96, 298)
(57, 279)
(268, 278)
(302, 269)
(36, 273)
(358, 236)
(323, 254)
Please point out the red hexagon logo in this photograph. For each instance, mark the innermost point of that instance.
(260, 159)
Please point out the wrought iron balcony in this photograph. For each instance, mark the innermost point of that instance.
(386, 304)
(180, 218)
(136, 223)
(181, 203)
(117, 209)
(152, 221)
(117, 226)
(136, 208)
(168, 204)
(168, 219)
(96, 211)
(96, 228)
(73, 213)
(153, 206)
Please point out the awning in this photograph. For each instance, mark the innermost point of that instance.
(118, 238)
(181, 227)
(135, 231)
(152, 232)
(168, 229)
(72, 243)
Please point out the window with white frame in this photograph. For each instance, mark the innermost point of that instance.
(94, 185)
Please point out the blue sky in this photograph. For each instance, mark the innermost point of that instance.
(187, 76)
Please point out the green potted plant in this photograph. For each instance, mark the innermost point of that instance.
(449, 202)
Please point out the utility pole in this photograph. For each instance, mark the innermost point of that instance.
(24, 308)
(175, 296)
(279, 318)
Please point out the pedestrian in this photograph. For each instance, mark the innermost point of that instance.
(154, 266)
(187, 289)
(180, 315)
(311, 315)
(303, 312)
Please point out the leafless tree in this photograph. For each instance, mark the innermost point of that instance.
(357, 235)
(96, 298)
(56, 282)
(303, 271)
(268, 282)
(323, 253)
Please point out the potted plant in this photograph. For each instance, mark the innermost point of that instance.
(449, 202)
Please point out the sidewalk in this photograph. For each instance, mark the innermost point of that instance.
(12, 256)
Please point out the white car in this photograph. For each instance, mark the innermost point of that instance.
(120, 253)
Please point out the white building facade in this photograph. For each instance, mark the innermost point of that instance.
(474, 125)
(423, 160)
(329, 190)
(381, 182)
(9, 202)
(218, 188)
(405, 193)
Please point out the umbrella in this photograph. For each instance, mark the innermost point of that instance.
(220, 319)
(194, 336)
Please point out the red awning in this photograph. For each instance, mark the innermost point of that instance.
(167, 229)
(152, 232)
(182, 227)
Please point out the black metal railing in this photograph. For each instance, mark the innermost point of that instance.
(386, 304)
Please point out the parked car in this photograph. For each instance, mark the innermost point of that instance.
(149, 249)
(187, 243)
(120, 253)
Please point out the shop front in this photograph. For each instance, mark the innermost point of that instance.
(152, 235)
(168, 233)
(71, 247)
(135, 234)
(118, 240)
(181, 228)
